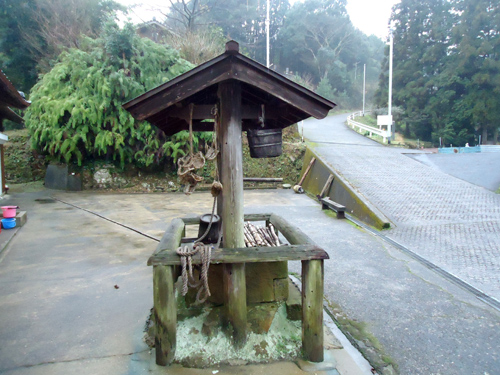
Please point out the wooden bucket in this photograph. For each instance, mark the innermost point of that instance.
(213, 233)
(265, 143)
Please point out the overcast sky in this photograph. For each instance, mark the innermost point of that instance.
(370, 16)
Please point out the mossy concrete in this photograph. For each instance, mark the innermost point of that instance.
(341, 191)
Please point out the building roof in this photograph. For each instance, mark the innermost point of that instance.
(267, 97)
(10, 97)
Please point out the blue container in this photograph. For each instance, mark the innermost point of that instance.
(9, 223)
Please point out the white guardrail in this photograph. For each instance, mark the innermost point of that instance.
(367, 128)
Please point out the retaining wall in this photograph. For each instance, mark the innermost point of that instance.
(341, 192)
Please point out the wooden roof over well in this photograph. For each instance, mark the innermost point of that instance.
(267, 97)
(10, 97)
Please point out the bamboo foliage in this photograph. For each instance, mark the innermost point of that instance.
(76, 108)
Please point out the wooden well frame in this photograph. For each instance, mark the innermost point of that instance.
(166, 270)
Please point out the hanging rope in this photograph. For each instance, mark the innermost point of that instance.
(189, 163)
(205, 251)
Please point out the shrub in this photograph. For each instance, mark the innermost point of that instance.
(76, 111)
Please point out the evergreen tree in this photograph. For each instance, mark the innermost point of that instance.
(446, 69)
(421, 29)
(474, 71)
(16, 59)
(76, 112)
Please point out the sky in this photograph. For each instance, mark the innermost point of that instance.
(370, 16)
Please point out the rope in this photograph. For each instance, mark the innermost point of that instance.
(191, 109)
(205, 251)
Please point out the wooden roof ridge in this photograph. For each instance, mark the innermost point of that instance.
(239, 67)
(9, 96)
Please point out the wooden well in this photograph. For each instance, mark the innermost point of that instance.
(246, 95)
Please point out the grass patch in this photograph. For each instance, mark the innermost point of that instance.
(287, 166)
(22, 165)
(367, 120)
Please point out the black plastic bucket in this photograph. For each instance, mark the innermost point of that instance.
(213, 233)
(265, 143)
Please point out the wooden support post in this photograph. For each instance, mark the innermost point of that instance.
(307, 171)
(326, 188)
(312, 310)
(231, 173)
(165, 313)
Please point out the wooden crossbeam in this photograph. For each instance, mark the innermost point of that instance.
(245, 255)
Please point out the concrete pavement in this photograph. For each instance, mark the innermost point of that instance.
(61, 312)
(76, 291)
(447, 221)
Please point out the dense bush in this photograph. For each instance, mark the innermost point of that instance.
(76, 111)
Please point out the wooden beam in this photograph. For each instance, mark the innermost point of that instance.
(178, 89)
(262, 179)
(172, 237)
(312, 309)
(257, 217)
(165, 314)
(282, 90)
(311, 163)
(191, 220)
(205, 112)
(231, 173)
(327, 186)
(293, 234)
(247, 255)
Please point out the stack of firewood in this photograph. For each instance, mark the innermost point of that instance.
(258, 236)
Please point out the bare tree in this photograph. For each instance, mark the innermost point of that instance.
(61, 23)
(185, 15)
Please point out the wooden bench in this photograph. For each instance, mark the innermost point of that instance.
(166, 270)
(338, 208)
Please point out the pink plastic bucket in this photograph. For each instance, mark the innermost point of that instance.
(9, 211)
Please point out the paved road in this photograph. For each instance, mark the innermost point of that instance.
(449, 222)
(482, 169)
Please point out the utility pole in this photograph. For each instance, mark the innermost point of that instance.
(391, 46)
(364, 87)
(267, 36)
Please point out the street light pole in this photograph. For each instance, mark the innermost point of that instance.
(391, 46)
(364, 87)
(267, 35)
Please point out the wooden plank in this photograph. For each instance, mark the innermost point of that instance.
(262, 179)
(172, 237)
(205, 112)
(176, 90)
(231, 174)
(327, 185)
(293, 234)
(165, 314)
(257, 217)
(191, 220)
(312, 310)
(307, 171)
(281, 89)
(249, 255)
